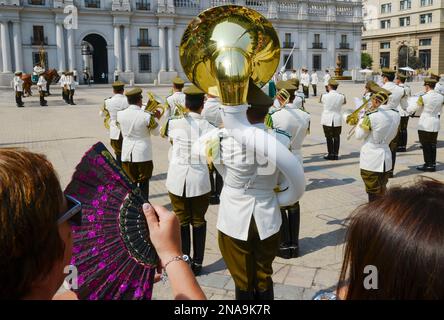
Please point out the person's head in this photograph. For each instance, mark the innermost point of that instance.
(134, 96)
(400, 79)
(388, 75)
(332, 84)
(326, 71)
(259, 103)
(194, 99)
(379, 98)
(435, 76)
(118, 87)
(178, 84)
(400, 238)
(429, 84)
(289, 88)
(34, 245)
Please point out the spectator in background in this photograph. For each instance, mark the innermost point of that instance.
(401, 236)
(314, 82)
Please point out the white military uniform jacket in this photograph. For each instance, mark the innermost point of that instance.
(70, 82)
(327, 78)
(314, 78)
(403, 105)
(186, 169)
(62, 80)
(429, 120)
(116, 103)
(18, 84)
(305, 79)
(136, 146)
(296, 123)
(172, 100)
(332, 102)
(41, 84)
(375, 152)
(394, 99)
(211, 112)
(247, 192)
(439, 87)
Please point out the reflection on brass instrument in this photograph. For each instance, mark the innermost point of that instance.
(283, 96)
(105, 113)
(154, 105)
(225, 46)
(353, 118)
(180, 110)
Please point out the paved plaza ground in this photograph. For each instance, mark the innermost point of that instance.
(334, 188)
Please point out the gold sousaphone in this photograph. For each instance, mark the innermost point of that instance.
(225, 46)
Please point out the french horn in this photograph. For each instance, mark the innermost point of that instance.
(225, 48)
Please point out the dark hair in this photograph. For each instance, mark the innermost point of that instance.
(178, 86)
(134, 99)
(195, 102)
(30, 201)
(334, 87)
(431, 85)
(401, 79)
(389, 76)
(402, 235)
(119, 90)
(256, 114)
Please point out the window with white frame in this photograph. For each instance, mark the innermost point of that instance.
(425, 42)
(384, 45)
(404, 21)
(405, 4)
(386, 8)
(385, 24)
(425, 18)
(426, 3)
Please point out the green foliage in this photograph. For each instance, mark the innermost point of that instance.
(366, 60)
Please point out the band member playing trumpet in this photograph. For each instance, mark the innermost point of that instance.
(331, 119)
(188, 181)
(402, 108)
(377, 128)
(428, 126)
(18, 88)
(136, 128)
(394, 100)
(177, 98)
(292, 119)
(41, 85)
(116, 103)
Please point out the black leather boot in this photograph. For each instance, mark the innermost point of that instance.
(265, 295)
(402, 141)
(294, 219)
(330, 155)
(199, 236)
(285, 245)
(429, 153)
(185, 239)
(244, 295)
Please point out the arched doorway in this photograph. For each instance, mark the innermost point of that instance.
(96, 45)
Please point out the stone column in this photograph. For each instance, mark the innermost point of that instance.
(171, 49)
(331, 49)
(71, 50)
(60, 43)
(127, 44)
(117, 49)
(18, 52)
(6, 48)
(303, 48)
(162, 48)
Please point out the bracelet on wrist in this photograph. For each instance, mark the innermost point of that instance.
(183, 258)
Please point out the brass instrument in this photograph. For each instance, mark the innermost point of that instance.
(154, 105)
(353, 118)
(180, 110)
(105, 113)
(284, 96)
(225, 46)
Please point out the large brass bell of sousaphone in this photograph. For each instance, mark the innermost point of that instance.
(223, 47)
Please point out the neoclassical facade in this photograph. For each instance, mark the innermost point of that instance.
(138, 40)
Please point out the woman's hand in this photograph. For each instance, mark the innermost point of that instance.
(164, 231)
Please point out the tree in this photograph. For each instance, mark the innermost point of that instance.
(366, 60)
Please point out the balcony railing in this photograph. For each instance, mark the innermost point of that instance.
(143, 6)
(37, 2)
(144, 42)
(287, 44)
(344, 45)
(92, 3)
(317, 45)
(39, 41)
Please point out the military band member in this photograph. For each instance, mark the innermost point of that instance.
(188, 181)
(116, 103)
(249, 218)
(429, 123)
(63, 85)
(331, 119)
(402, 108)
(177, 98)
(314, 83)
(70, 87)
(377, 128)
(18, 88)
(211, 113)
(327, 78)
(439, 87)
(136, 129)
(305, 81)
(293, 120)
(41, 85)
(394, 101)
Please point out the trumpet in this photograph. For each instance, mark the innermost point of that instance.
(353, 118)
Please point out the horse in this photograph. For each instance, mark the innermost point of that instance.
(50, 75)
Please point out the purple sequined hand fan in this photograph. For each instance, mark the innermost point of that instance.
(112, 251)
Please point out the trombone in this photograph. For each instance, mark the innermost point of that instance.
(353, 118)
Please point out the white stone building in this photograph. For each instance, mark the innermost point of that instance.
(139, 39)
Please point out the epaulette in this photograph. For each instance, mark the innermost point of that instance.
(285, 133)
